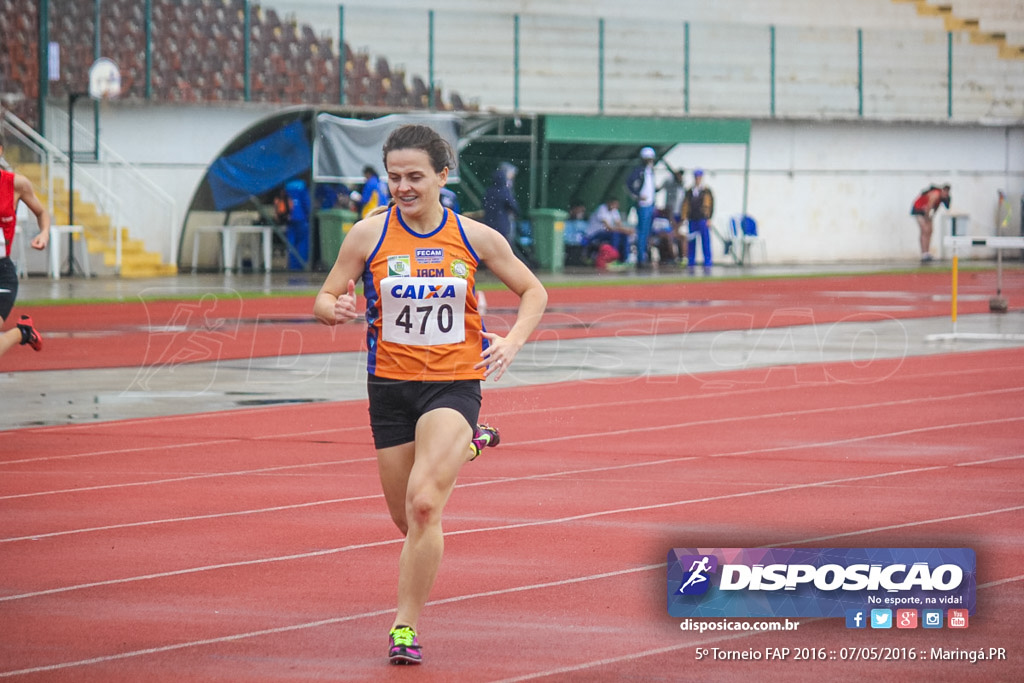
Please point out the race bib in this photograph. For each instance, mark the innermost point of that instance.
(423, 311)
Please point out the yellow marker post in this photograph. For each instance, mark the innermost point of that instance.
(955, 263)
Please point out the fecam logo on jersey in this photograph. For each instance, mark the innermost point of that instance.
(429, 255)
(817, 582)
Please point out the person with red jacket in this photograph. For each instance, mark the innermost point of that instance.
(924, 208)
(16, 188)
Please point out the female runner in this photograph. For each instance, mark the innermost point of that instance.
(427, 351)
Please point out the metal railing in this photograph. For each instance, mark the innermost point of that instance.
(146, 209)
(590, 64)
(56, 164)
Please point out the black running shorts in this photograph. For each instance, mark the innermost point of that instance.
(396, 405)
(8, 286)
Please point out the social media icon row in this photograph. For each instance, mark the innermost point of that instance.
(905, 618)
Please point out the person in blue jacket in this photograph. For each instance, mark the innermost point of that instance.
(500, 206)
(298, 203)
(698, 208)
(373, 194)
(449, 200)
(642, 188)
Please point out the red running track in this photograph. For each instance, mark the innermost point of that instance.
(226, 325)
(254, 545)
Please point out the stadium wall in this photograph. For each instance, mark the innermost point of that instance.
(820, 191)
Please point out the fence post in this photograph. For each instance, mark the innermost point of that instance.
(686, 67)
(247, 69)
(44, 64)
(860, 73)
(515, 63)
(341, 54)
(600, 65)
(771, 33)
(949, 74)
(430, 56)
(149, 49)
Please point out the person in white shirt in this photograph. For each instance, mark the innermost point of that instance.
(606, 227)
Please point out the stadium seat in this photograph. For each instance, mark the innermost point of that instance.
(743, 235)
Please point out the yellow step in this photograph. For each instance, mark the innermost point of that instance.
(140, 270)
(99, 238)
(105, 234)
(34, 172)
(984, 38)
(83, 216)
(954, 23)
(1011, 51)
(926, 9)
(131, 257)
(105, 247)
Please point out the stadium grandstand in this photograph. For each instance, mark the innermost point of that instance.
(886, 63)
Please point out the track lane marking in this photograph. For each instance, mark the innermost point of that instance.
(616, 432)
(477, 530)
(526, 411)
(455, 599)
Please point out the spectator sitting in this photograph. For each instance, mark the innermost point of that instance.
(576, 235)
(606, 227)
(332, 195)
(664, 245)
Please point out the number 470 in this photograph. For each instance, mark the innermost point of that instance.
(444, 318)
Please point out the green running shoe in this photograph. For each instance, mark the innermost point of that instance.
(404, 648)
(484, 436)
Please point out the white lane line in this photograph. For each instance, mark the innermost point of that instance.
(279, 508)
(524, 411)
(502, 527)
(190, 477)
(187, 444)
(646, 428)
(461, 598)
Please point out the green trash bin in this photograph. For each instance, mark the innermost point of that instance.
(334, 224)
(548, 240)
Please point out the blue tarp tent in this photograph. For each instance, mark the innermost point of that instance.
(260, 166)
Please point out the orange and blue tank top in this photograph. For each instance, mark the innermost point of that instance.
(422, 318)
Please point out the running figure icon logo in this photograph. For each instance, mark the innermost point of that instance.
(696, 581)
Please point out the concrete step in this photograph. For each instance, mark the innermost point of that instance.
(1011, 51)
(135, 258)
(99, 237)
(133, 270)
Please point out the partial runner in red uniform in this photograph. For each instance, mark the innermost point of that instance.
(427, 350)
(16, 188)
(924, 208)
